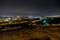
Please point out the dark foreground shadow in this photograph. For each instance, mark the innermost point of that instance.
(40, 39)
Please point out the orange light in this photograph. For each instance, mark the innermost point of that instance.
(53, 24)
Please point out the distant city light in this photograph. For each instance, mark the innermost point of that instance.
(30, 16)
(8, 19)
(36, 17)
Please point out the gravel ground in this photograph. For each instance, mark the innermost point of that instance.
(29, 33)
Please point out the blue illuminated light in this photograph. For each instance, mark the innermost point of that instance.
(45, 21)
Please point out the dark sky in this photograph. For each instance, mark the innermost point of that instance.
(29, 7)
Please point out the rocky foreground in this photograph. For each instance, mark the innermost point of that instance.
(30, 33)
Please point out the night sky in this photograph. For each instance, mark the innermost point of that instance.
(29, 7)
